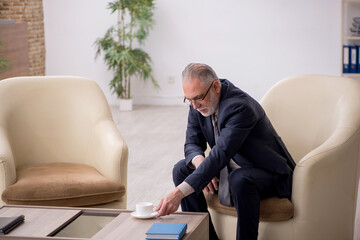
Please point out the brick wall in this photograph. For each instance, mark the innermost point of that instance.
(31, 12)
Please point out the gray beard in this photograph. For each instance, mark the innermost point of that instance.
(214, 104)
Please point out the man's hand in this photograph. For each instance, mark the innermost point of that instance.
(212, 185)
(214, 182)
(170, 203)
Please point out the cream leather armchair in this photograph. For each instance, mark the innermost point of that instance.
(318, 117)
(59, 120)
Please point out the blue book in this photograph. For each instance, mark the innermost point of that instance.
(346, 59)
(166, 231)
(358, 59)
(353, 59)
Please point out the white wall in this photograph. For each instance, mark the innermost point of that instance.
(253, 43)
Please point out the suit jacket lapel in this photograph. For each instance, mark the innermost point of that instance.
(209, 131)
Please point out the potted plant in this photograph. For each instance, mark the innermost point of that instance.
(134, 21)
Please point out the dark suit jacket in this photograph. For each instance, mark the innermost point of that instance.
(246, 136)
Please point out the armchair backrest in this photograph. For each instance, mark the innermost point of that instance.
(308, 110)
(50, 119)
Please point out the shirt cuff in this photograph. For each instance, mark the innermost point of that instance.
(185, 188)
(191, 164)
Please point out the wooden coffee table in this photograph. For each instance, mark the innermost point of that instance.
(44, 222)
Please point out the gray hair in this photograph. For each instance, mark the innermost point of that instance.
(199, 70)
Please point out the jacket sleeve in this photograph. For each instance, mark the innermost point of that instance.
(195, 143)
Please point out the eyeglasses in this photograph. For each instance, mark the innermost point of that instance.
(195, 99)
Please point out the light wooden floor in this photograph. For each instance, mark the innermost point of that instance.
(155, 136)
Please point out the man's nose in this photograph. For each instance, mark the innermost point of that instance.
(196, 105)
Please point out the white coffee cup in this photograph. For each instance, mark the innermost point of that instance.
(144, 208)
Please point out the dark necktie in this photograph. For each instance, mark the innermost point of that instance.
(224, 190)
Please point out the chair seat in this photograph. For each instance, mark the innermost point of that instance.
(62, 184)
(271, 209)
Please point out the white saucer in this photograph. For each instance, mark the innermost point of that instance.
(135, 214)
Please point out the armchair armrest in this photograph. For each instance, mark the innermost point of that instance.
(324, 186)
(108, 152)
(7, 165)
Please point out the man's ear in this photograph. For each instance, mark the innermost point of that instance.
(217, 86)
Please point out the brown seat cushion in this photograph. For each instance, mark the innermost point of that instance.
(271, 209)
(62, 184)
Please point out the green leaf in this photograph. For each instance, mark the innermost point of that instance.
(135, 20)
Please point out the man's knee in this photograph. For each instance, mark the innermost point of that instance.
(240, 181)
(179, 172)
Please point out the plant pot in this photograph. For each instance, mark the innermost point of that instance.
(125, 104)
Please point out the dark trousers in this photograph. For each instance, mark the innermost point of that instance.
(247, 186)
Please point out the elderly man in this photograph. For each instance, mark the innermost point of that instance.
(248, 160)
